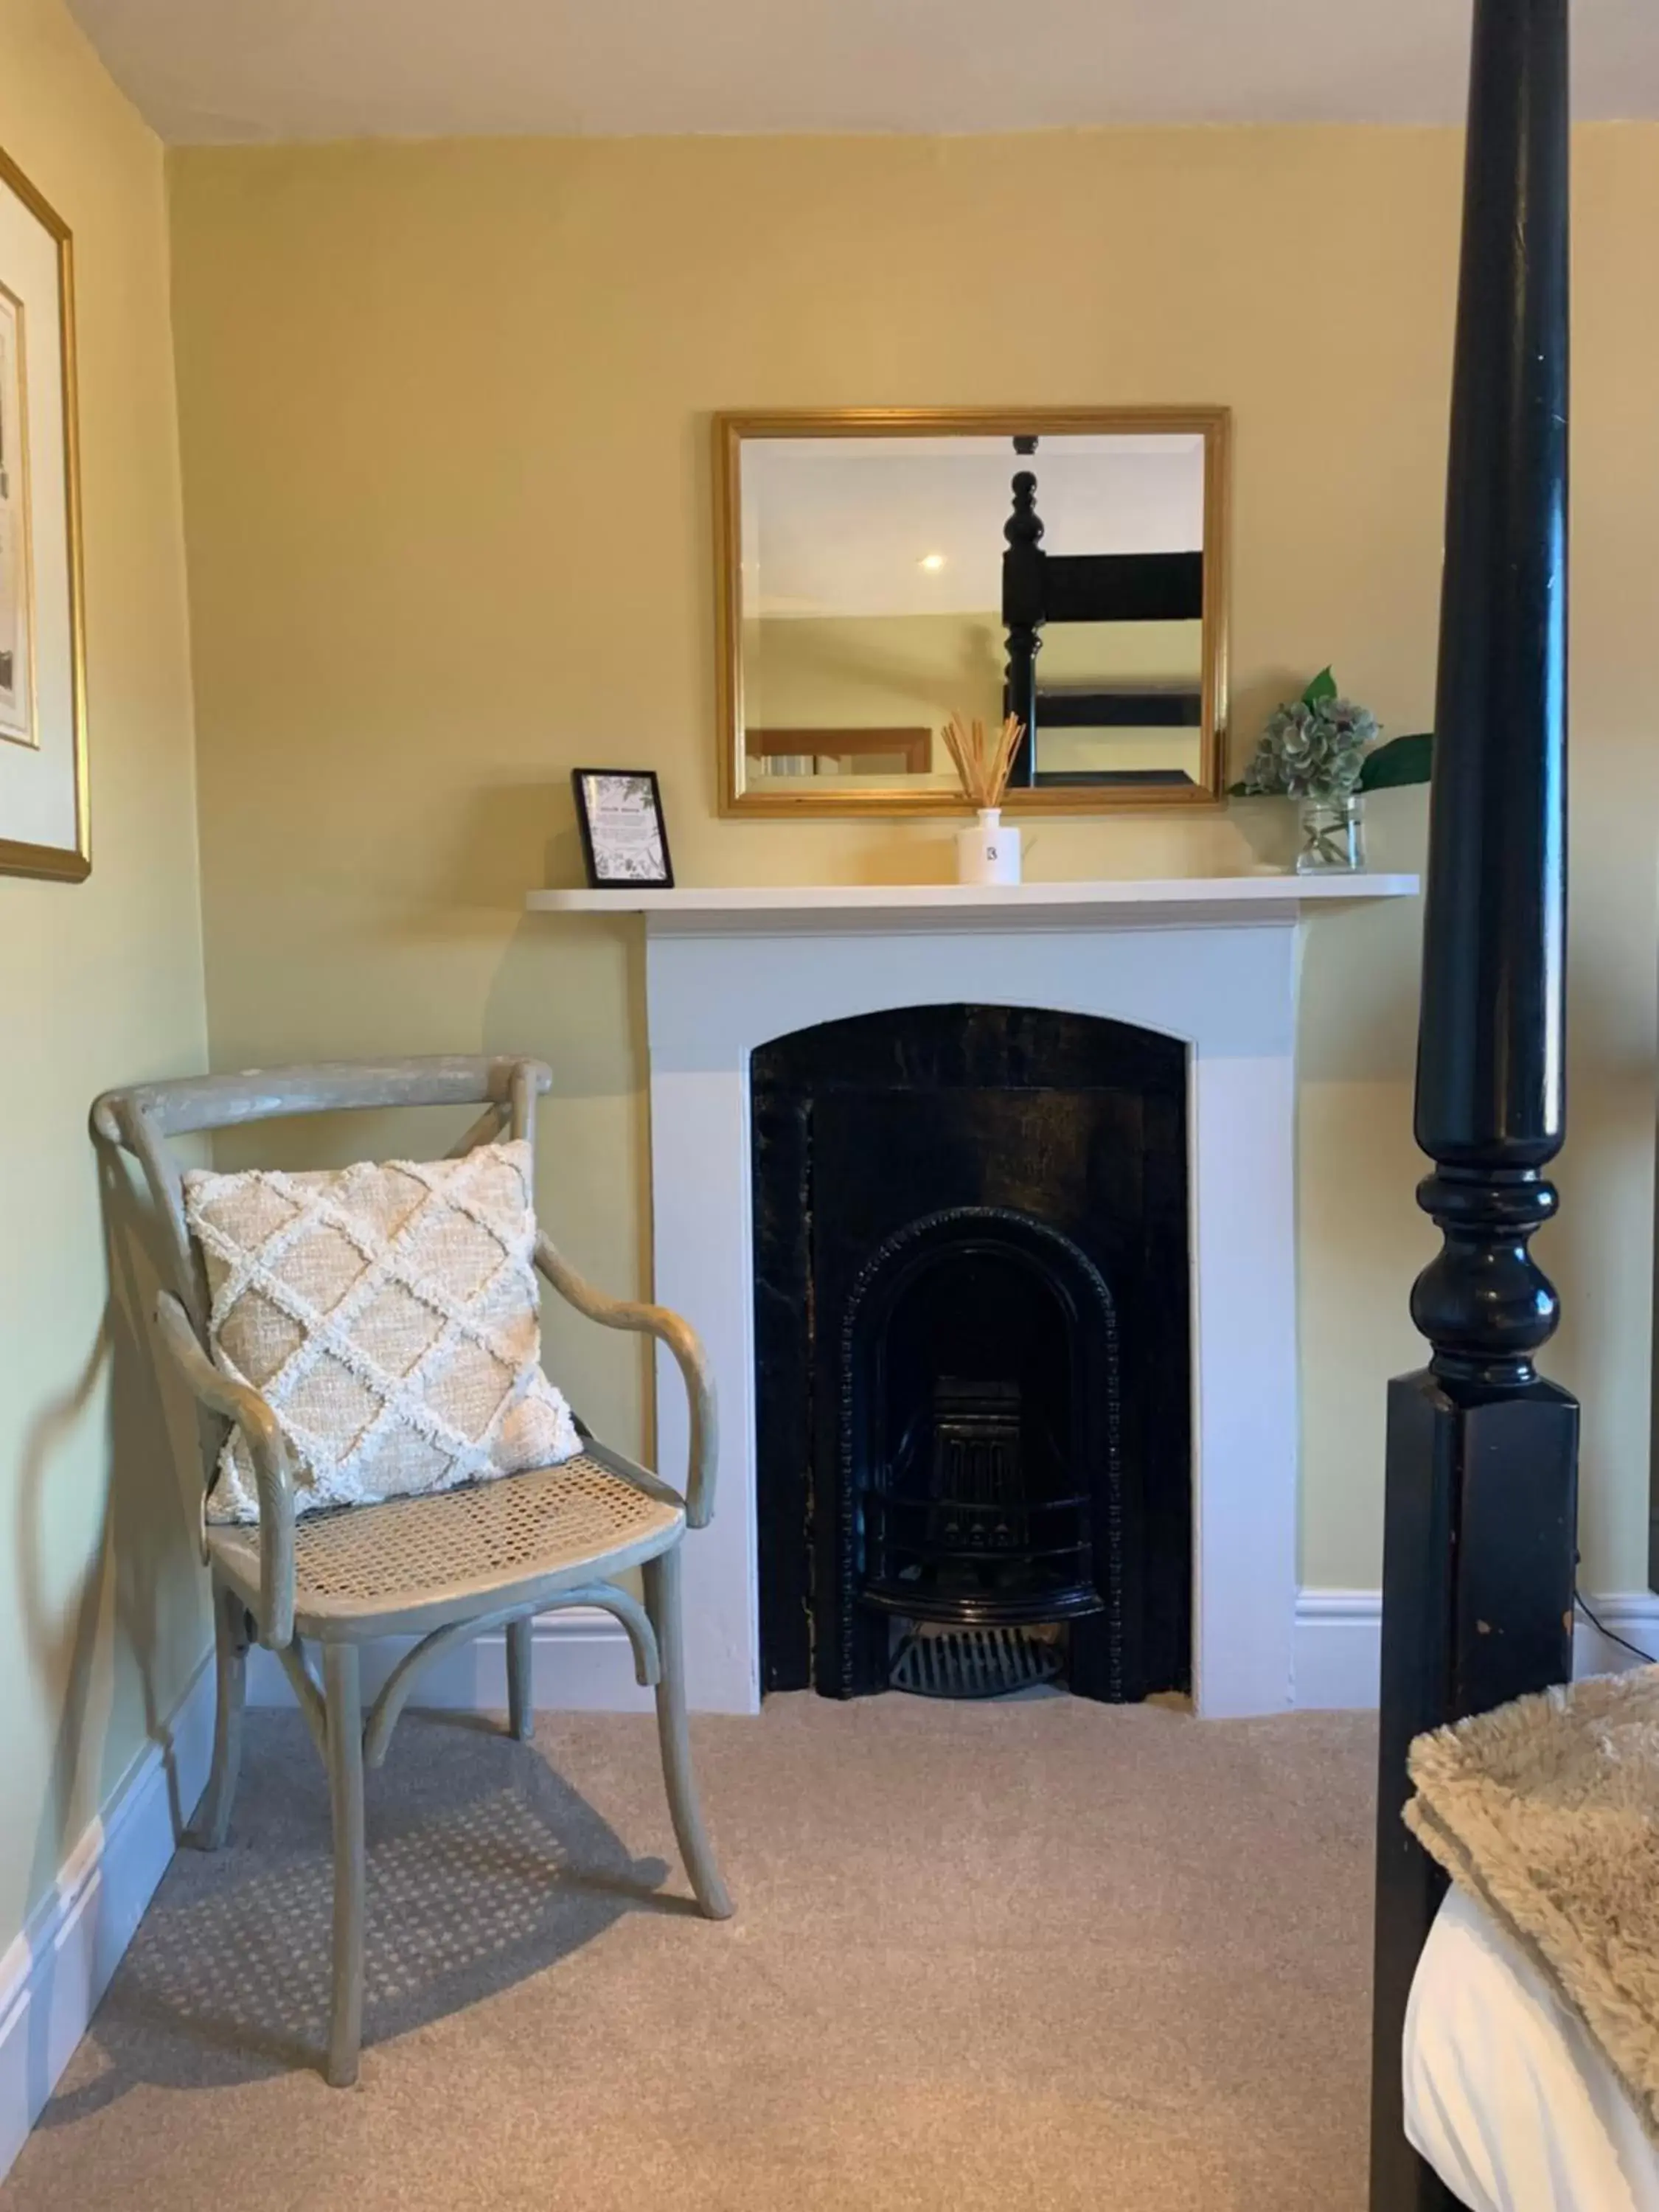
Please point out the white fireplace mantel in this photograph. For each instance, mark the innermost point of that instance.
(1211, 960)
(1188, 902)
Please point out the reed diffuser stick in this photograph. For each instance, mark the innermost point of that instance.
(984, 768)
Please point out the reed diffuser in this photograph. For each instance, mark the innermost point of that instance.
(989, 853)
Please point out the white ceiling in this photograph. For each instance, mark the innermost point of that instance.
(227, 71)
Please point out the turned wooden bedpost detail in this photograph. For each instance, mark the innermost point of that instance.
(1479, 1543)
(1022, 611)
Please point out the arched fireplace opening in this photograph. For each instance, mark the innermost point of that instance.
(971, 1338)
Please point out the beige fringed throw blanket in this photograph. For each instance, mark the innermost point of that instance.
(1547, 1810)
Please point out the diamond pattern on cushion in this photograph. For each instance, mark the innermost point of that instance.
(329, 1407)
(405, 1467)
(403, 1327)
(261, 1337)
(461, 1255)
(475, 1388)
(383, 1198)
(390, 1315)
(322, 1265)
(262, 1212)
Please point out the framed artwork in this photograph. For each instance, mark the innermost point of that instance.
(624, 837)
(42, 735)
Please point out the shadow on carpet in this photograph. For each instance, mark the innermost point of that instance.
(484, 1868)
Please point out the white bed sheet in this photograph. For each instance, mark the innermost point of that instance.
(1506, 2095)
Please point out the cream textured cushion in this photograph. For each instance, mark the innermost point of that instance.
(389, 1314)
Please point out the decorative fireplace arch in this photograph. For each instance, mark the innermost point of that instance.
(1036, 1540)
(959, 1212)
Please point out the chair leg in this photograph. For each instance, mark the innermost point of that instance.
(662, 1602)
(521, 1704)
(230, 1626)
(343, 1685)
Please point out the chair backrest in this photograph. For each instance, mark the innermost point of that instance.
(142, 1120)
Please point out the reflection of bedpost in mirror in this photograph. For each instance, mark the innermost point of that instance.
(879, 569)
(1022, 609)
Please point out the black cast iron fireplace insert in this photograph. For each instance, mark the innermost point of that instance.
(971, 1344)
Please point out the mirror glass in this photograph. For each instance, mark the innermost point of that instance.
(875, 582)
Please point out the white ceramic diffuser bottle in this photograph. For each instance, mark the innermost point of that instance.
(989, 853)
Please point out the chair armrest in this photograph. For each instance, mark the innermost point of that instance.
(273, 1465)
(682, 1340)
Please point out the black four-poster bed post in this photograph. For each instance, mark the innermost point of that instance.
(1479, 1543)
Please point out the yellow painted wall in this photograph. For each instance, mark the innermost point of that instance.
(444, 421)
(100, 982)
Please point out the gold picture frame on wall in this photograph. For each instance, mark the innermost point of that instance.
(856, 526)
(44, 799)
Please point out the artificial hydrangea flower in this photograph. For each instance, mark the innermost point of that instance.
(1312, 751)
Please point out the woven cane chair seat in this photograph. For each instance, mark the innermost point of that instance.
(429, 1555)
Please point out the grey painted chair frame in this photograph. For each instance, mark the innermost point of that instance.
(259, 1596)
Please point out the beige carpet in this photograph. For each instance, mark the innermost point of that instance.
(1030, 1955)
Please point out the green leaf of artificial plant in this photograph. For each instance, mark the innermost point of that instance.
(1401, 761)
(1324, 687)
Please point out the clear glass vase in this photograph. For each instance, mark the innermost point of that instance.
(1332, 835)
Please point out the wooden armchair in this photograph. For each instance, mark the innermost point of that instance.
(444, 1568)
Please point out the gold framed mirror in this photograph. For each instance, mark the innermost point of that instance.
(881, 568)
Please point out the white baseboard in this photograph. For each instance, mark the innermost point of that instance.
(582, 1663)
(54, 1973)
(1631, 1614)
(1337, 1648)
(1339, 1640)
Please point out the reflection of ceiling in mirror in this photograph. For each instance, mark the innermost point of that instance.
(844, 526)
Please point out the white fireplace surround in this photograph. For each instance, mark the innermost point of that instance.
(1212, 961)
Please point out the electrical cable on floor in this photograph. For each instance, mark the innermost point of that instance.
(1612, 1634)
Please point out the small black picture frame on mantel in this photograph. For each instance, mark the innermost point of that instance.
(624, 837)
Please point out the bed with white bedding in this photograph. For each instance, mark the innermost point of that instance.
(1507, 2094)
